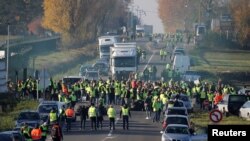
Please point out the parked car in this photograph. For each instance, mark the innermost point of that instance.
(187, 102)
(11, 136)
(177, 51)
(83, 68)
(30, 117)
(178, 132)
(102, 66)
(191, 76)
(232, 104)
(176, 111)
(175, 119)
(244, 111)
(45, 107)
(92, 74)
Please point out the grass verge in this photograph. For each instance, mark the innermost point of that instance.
(8, 119)
(201, 120)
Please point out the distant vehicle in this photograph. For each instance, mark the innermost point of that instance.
(45, 107)
(140, 31)
(71, 80)
(177, 51)
(83, 68)
(177, 132)
(123, 60)
(105, 42)
(180, 103)
(187, 102)
(181, 63)
(191, 76)
(244, 111)
(92, 74)
(102, 66)
(232, 104)
(175, 119)
(11, 136)
(28, 116)
(176, 111)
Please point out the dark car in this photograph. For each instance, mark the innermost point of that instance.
(11, 136)
(102, 66)
(28, 116)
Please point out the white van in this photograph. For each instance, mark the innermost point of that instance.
(181, 63)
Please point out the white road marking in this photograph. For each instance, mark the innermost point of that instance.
(109, 136)
(149, 60)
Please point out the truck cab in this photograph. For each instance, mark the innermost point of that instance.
(123, 60)
(105, 42)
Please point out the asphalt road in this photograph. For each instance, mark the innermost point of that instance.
(140, 129)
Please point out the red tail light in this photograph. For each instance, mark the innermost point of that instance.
(164, 125)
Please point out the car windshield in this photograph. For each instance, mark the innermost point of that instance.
(237, 98)
(105, 48)
(182, 97)
(176, 112)
(92, 74)
(177, 130)
(100, 66)
(46, 108)
(177, 120)
(28, 116)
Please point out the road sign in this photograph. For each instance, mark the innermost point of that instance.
(215, 116)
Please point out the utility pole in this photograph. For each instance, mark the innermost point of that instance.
(7, 56)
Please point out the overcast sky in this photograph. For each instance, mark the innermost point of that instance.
(151, 18)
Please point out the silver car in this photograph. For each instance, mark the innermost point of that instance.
(178, 132)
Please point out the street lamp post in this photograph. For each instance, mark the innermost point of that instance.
(7, 52)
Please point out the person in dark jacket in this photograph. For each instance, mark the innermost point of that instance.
(83, 116)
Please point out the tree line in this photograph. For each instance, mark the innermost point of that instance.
(180, 14)
(78, 21)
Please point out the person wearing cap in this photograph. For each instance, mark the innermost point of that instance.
(44, 129)
(125, 113)
(111, 114)
(36, 133)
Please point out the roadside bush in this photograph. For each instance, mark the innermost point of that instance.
(7, 120)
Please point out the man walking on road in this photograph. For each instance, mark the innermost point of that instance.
(111, 114)
(125, 113)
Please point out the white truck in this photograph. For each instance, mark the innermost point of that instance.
(123, 60)
(105, 42)
(181, 63)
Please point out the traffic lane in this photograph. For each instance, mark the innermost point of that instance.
(139, 129)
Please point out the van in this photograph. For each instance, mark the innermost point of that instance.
(181, 63)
